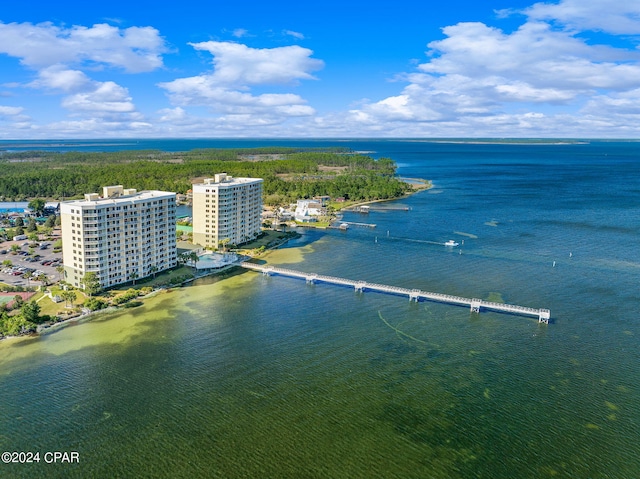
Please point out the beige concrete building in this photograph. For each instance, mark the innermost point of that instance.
(120, 235)
(226, 208)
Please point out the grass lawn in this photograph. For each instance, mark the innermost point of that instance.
(161, 278)
(268, 237)
(47, 306)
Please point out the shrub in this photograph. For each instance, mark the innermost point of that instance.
(95, 304)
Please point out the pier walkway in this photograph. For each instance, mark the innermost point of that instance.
(353, 223)
(474, 304)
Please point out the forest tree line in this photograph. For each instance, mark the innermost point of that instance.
(295, 173)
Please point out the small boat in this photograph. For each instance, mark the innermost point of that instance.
(451, 243)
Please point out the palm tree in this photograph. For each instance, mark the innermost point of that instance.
(43, 278)
(154, 270)
(134, 276)
(224, 243)
(28, 275)
(68, 297)
(60, 270)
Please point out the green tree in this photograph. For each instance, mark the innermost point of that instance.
(31, 311)
(37, 205)
(91, 283)
(28, 275)
(19, 230)
(17, 301)
(51, 221)
(153, 270)
(19, 221)
(15, 248)
(32, 226)
(7, 263)
(60, 270)
(94, 304)
(133, 276)
(4, 319)
(69, 297)
(15, 325)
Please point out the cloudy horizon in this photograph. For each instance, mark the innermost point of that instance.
(538, 70)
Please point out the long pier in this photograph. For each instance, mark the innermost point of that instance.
(474, 304)
(353, 223)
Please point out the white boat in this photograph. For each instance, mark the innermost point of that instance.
(451, 243)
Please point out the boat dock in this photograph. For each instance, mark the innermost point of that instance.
(476, 305)
(367, 208)
(353, 223)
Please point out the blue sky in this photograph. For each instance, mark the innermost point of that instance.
(461, 68)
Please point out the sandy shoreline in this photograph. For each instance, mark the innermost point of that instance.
(43, 330)
(415, 188)
(52, 328)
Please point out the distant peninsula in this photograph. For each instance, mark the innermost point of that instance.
(288, 173)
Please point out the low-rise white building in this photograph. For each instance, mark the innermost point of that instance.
(308, 211)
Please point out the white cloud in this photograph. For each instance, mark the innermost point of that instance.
(58, 77)
(135, 49)
(534, 54)
(10, 111)
(239, 65)
(538, 79)
(240, 32)
(13, 117)
(172, 114)
(61, 57)
(619, 18)
(87, 128)
(552, 76)
(622, 106)
(107, 97)
(237, 69)
(293, 34)
(86, 96)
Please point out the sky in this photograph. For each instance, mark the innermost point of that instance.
(331, 69)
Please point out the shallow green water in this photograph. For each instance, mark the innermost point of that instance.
(314, 381)
(251, 376)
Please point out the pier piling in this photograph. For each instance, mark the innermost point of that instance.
(475, 304)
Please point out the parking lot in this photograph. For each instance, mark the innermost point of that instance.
(42, 260)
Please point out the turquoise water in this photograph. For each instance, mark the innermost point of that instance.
(251, 376)
(13, 206)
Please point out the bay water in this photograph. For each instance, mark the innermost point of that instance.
(241, 375)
